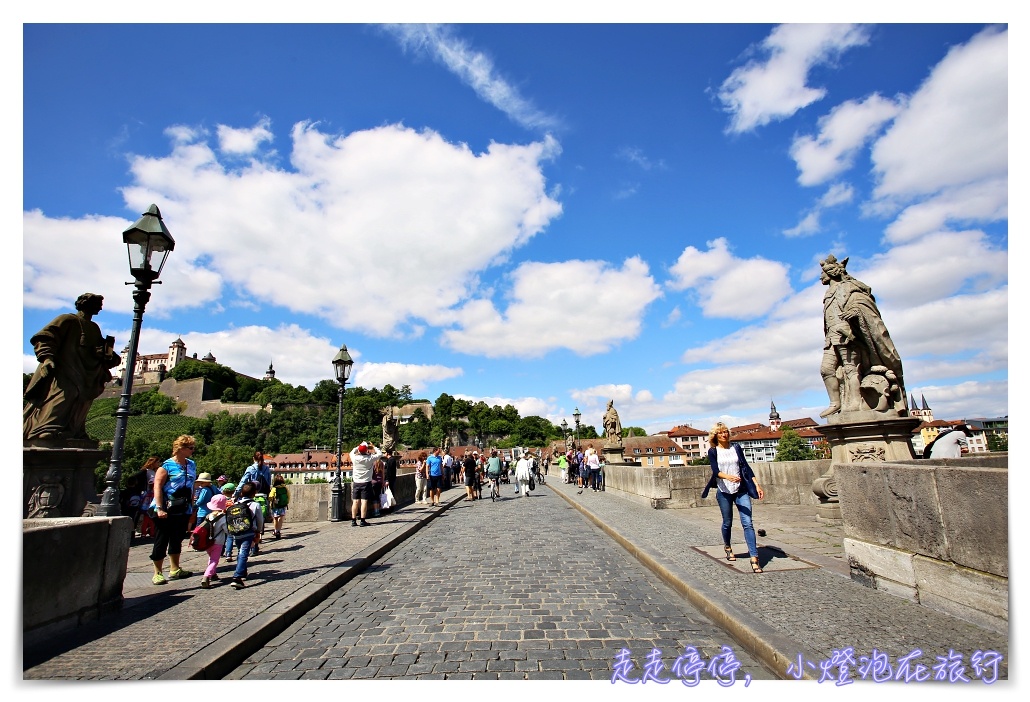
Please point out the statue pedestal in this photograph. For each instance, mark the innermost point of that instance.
(855, 437)
(60, 480)
(860, 437)
(612, 454)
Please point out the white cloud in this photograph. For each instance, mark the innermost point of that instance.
(244, 141)
(950, 144)
(527, 406)
(319, 239)
(983, 201)
(727, 286)
(474, 68)
(760, 92)
(419, 377)
(838, 194)
(609, 303)
(636, 156)
(63, 258)
(844, 131)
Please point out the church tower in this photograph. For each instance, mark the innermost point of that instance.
(270, 373)
(774, 417)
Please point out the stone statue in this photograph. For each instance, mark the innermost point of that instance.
(389, 431)
(612, 426)
(74, 365)
(861, 367)
(570, 443)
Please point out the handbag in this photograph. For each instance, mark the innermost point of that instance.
(179, 501)
(532, 483)
(390, 501)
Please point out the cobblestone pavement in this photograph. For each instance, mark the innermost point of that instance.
(805, 603)
(188, 618)
(494, 591)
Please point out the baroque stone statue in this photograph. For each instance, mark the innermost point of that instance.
(861, 368)
(389, 430)
(612, 426)
(75, 359)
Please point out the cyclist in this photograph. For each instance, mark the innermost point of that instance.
(493, 472)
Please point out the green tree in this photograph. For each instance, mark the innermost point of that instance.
(702, 461)
(229, 395)
(997, 442)
(151, 402)
(793, 448)
(215, 372)
(633, 431)
(417, 433)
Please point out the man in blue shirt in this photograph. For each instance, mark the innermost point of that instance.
(258, 473)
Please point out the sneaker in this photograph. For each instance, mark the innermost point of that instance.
(206, 583)
(229, 559)
(354, 522)
(364, 523)
(159, 579)
(179, 574)
(238, 583)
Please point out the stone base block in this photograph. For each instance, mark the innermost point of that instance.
(977, 597)
(829, 513)
(879, 563)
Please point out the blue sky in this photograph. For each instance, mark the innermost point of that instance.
(551, 215)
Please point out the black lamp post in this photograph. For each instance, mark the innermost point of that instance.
(148, 242)
(342, 364)
(576, 415)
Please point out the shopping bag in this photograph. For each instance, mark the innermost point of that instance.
(390, 501)
(384, 501)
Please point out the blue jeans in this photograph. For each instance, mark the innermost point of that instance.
(595, 479)
(245, 542)
(743, 502)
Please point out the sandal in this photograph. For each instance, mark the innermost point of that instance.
(729, 553)
(755, 567)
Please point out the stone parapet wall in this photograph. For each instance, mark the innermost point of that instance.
(72, 571)
(933, 531)
(678, 487)
(310, 503)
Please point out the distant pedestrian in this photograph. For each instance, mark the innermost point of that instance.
(279, 501)
(593, 469)
(244, 520)
(216, 515)
(421, 480)
(493, 472)
(563, 468)
(173, 504)
(261, 475)
(468, 473)
(449, 470)
(523, 472)
(736, 485)
(363, 458)
(390, 466)
(435, 467)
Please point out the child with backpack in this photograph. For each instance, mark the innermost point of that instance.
(244, 521)
(215, 523)
(279, 501)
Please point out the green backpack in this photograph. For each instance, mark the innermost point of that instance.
(280, 497)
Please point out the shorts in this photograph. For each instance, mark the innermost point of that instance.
(362, 491)
(278, 511)
(435, 482)
(470, 480)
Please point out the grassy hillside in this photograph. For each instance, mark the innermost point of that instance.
(102, 428)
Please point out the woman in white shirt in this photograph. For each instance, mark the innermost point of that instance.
(736, 485)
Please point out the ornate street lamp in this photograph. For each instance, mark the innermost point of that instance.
(149, 244)
(576, 415)
(564, 430)
(342, 364)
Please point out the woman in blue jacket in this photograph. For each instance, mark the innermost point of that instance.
(736, 485)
